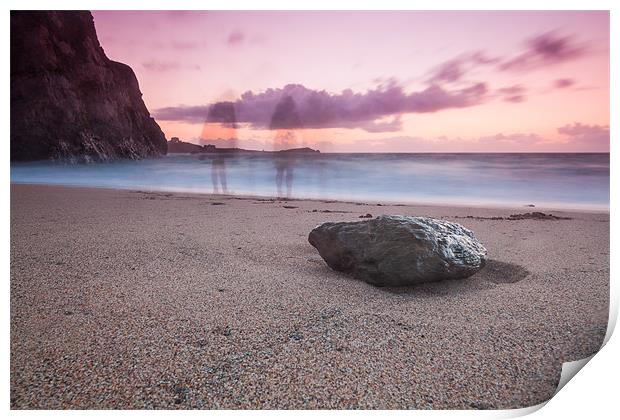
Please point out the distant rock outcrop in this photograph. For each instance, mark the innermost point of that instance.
(68, 100)
(399, 250)
(177, 146)
(300, 150)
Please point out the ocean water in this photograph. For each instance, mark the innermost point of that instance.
(578, 181)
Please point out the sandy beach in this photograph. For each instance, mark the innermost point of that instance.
(129, 299)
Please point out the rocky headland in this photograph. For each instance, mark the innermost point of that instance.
(69, 101)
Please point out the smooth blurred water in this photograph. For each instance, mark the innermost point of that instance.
(554, 180)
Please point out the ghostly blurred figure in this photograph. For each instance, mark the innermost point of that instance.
(284, 121)
(221, 125)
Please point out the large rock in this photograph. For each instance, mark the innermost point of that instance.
(68, 100)
(399, 250)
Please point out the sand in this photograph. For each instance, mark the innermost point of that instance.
(126, 299)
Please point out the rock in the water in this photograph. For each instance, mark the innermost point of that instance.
(399, 250)
(70, 101)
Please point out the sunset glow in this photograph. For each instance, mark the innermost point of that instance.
(375, 81)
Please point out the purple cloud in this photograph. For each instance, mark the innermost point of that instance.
(515, 99)
(394, 124)
(563, 83)
(594, 138)
(285, 115)
(545, 49)
(578, 138)
(192, 114)
(320, 109)
(514, 94)
(455, 69)
(480, 57)
(223, 113)
(586, 132)
(380, 109)
(235, 38)
(450, 71)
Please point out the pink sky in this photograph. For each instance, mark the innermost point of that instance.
(376, 81)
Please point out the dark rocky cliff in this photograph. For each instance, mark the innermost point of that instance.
(68, 100)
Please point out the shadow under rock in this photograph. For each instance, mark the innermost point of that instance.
(494, 272)
(499, 272)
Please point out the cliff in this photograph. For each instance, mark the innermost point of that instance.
(68, 100)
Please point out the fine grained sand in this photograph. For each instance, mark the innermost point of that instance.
(125, 299)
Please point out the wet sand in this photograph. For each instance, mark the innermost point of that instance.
(126, 299)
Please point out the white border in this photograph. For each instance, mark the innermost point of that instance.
(593, 393)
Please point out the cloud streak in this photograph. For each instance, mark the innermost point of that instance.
(235, 38)
(587, 137)
(514, 94)
(456, 69)
(380, 109)
(543, 50)
(574, 138)
(320, 109)
(563, 83)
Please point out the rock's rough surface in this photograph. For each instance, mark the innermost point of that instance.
(399, 250)
(68, 100)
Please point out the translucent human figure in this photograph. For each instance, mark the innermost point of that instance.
(221, 125)
(285, 121)
(218, 174)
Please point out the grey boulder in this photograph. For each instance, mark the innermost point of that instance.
(399, 250)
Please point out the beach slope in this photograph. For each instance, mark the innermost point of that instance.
(129, 299)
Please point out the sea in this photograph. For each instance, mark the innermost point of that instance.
(552, 180)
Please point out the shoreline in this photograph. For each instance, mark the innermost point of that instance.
(524, 208)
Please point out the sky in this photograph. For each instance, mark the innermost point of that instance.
(404, 81)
